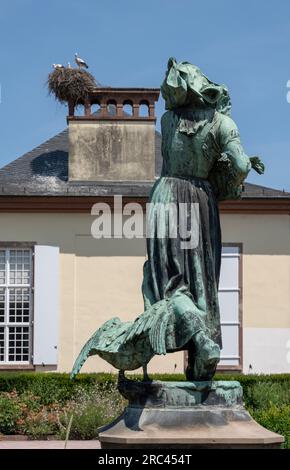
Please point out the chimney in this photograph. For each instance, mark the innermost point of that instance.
(109, 144)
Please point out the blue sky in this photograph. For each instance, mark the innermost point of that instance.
(243, 43)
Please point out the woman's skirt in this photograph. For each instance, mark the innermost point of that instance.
(184, 247)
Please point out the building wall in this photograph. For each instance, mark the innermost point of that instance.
(266, 289)
(102, 278)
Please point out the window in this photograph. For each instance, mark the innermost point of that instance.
(15, 305)
(128, 108)
(144, 109)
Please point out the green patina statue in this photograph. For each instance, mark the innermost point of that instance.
(203, 162)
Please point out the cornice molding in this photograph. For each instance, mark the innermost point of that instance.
(83, 204)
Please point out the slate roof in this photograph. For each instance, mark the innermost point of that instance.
(44, 172)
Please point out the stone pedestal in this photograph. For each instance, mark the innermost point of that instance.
(185, 415)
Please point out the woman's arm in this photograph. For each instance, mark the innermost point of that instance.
(232, 150)
(232, 164)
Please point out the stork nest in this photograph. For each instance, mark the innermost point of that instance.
(68, 84)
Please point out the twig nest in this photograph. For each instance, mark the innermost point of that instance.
(68, 84)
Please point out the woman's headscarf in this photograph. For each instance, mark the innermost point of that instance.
(185, 83)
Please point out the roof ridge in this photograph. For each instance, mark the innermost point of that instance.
(269, 188)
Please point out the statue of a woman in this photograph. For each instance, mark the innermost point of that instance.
(203, 162)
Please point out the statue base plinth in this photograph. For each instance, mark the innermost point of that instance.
(185, 415)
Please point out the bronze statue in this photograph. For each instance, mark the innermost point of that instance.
(203, 162)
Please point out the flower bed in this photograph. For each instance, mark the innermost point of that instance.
(40, 405)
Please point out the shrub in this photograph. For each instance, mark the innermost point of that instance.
(276, 419)
(10, 413)
(84, 424)
(51, 387)
(38, 425)
(262, 395)
(91, 409)
(24, 414)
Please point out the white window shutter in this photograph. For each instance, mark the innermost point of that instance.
(46, 305)
(229, 299)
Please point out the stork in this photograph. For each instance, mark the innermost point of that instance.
(58, 66)
(80, 62)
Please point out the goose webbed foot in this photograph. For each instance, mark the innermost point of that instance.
(146, 377)
(121, 375)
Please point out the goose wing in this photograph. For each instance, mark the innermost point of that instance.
(153, 321)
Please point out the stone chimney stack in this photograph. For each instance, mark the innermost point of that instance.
(108, 143)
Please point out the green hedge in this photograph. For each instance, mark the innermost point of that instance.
(52, 387)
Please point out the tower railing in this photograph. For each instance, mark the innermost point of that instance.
(114, 103)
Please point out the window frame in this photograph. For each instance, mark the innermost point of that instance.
(28, 364)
